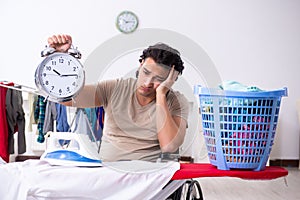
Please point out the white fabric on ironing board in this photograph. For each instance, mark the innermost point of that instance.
(37, 180)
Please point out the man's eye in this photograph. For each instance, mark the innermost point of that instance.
(146, 72)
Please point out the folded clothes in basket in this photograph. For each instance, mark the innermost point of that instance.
(236, 86)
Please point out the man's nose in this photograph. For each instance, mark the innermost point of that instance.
(148, 81)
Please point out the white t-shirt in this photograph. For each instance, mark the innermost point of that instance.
(130, 131)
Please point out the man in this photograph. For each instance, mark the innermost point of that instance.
(143, 116)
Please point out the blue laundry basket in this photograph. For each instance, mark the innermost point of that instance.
(239, 127)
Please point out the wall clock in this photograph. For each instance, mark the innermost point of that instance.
(127, 22)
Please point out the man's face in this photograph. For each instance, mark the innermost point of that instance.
(151, 75)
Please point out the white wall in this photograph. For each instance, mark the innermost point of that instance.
(256, 42)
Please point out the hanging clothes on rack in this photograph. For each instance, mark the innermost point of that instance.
(100, 116)
(100, 122)
(15, 116)
(39, 115)
(3, 123)
(50, 117)
(46, 112)
(92, 116)
(32, 101)
(62, 119)
(82, 124)
(93, 126)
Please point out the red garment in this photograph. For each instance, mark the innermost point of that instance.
(3, 123)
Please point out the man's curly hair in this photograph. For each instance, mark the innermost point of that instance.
(163, 54)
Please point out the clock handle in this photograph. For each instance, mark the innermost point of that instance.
(74, 52)
(48, 51)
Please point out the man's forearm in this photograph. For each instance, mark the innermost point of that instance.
(85, 99)
(170, 131)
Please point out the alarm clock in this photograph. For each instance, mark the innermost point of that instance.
(60, 76)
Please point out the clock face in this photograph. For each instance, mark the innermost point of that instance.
(127, 22)
(60, 76)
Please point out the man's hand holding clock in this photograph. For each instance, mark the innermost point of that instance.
(61, 43)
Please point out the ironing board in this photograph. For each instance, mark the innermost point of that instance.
(200, 170)
(36, 178)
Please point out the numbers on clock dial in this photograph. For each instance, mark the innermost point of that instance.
(62, 76)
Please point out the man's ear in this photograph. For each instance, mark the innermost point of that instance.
(137, 73)
(142, 62)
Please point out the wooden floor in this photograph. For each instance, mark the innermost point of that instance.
(221, 188)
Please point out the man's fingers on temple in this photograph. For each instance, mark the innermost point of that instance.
(172, 73)
(176, 73)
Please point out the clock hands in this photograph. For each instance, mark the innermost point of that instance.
(56, 72)
(64, 75)
(128, 21)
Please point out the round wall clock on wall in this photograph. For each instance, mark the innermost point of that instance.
(127, 22)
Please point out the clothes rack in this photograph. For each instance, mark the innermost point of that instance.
(23, 88)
